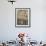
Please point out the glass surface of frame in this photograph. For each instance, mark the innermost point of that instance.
(22, 17)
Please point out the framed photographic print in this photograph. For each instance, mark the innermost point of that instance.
(22, 17)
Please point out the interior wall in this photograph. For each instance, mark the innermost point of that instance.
(37, 31)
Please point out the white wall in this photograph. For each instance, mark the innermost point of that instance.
(8, 31)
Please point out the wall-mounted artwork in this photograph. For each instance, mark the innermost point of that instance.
(22, 17)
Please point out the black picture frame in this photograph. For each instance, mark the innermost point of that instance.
(22, 17)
